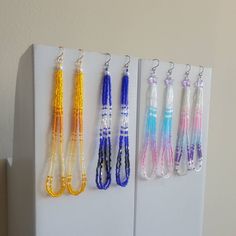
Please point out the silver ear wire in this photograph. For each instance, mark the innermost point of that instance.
(188, 69)
(60, 57)
(107, 62)
(172, 66)
(126, 65)
(155, 66)
(201, 71)
(79, 60)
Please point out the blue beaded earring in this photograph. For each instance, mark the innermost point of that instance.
(103, 180)
(124, 136)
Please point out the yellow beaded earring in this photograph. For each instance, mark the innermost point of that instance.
(57, 132)
(77, 131)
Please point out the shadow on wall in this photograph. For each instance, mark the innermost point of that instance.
(21, 171)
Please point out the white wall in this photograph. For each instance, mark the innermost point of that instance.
(185, 31)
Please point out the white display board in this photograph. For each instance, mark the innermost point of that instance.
(161, 207)
(95, 212)
(173, 206)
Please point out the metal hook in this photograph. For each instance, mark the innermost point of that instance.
(201, 71)
(126, 65)
(108, 60)
(79, 60)
(155, 67)
(188, 68)
(60, 57)
(172, 66)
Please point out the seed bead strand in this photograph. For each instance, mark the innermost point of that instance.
(57, 131)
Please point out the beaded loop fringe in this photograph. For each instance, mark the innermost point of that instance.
(150, 140)
(183, 161)
(77, 133)
(57, 136)
(166, 160)
(124, 136)
(103, 180)
(196, 139)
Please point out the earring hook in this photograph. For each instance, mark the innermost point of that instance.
(79, 60)
(155, 66)
(107, 62)
(126, 65)
(172, 66)
(201, 71)
(188, 69)
(61, 54)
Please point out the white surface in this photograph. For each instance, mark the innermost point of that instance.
(94, 212)
(174, 206)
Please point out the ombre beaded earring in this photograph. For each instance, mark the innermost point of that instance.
(183, 161)
(166, 158)
(124, 136)
(150, 139)
(196, 139)
(77, 132)
(57, 132)
(103, 170)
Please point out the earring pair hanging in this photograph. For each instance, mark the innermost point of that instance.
(57, 142)
(103, 170)
(184, 156)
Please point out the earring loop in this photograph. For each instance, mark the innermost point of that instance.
(126, 65)
(60, 57)
(155, 66)
(79, 60)
(172, 66)
(107, 62)
(201, 71)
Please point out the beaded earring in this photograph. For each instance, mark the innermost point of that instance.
(166, 159)
(196, 139)
(150, 139)
(183, 161)
(103, 180)
(124, 136)
(77, 131)
(57, 132)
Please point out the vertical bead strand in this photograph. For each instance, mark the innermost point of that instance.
(103, 170)
(77, 133)
(57, 133)
(196, 139)
(166, 160)
(183, 161)
(124, 135)
(150, 139)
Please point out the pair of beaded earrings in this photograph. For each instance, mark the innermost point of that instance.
(185, 147)
(103, 170)
(165, 165)
(76, 135)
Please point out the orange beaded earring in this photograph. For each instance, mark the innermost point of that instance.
(57, 131)
(77, 130)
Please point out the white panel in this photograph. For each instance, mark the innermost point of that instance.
(94, 212)
(174, 206)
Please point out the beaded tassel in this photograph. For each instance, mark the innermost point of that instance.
(77, 132)
(166, 159)
(196, 139)
(57, 133)
(124, 136)
(182, 155)
(104, 154)
(150, 140)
